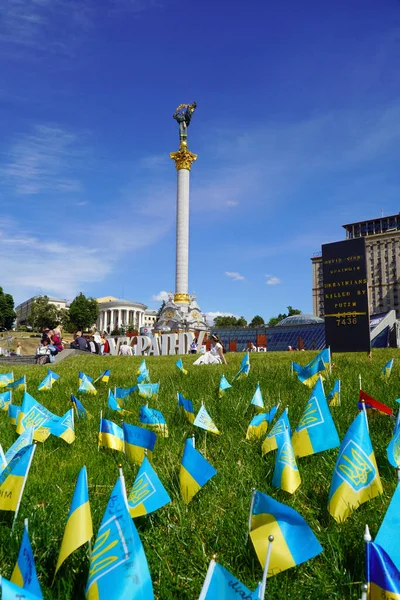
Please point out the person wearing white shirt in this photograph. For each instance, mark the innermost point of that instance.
(125, 350)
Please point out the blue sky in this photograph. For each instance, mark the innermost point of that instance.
(297, 131)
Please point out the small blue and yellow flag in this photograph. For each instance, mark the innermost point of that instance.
(270, 442)
(154, 420)
(19, 384)
(316, 431)
(355, 478)
(3, 462)
(111, 435)
(286, 474)
(222, 585)
(387, 369)
(79, 528)
(104, 377)
(13, 412)
(223, 385)
(87, 386)
(195, 472)
(393, 450)
(121, 393)
(48, 381)
(148, 390)
(142, 367)
(383, 578)
(80, 409)
(10, 591)
(186, 407)
(24, 574)
(118, 565)
(112, 403)
(139, 442)
(258, 427)
(5, 379)
(144, 376)
(25, 439)
(13, 478)
(33, 414)
(5, 400)
(204, 421)
(64, 427)
(82, 375)
(244, 368)
(147, 493)
(333, 397)
(387, 535)
(257, 400)
(179, 364)
(294, 544)
(324, 355)
(310, 375)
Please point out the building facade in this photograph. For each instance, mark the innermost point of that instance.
(115, 313)
(382, 243)
(150, 318)
(24, 310)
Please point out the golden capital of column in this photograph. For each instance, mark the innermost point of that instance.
(183, 157)
(181, 298)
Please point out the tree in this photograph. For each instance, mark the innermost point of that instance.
(43, 314)
(241, 322)
(83, 312)
(229, 321)
(161, 308)
(7, 314)
(291, 311)
(257, 321)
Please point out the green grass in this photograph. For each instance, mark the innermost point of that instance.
(180, 540)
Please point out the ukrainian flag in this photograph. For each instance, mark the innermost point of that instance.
(148, 390)
(294, 544)
(105, 377)
(13, 478)
(355, 478)
(316, 431)
(383, 578)
(13, 412)
(257, 400)
(79, 528)
(154, 420)
(10, 591)
(112, 403)
(393, 450)
(25, 439)
(20, 384)
(258, 427)
(121, 393)
(195, 472)
(5, 400)
(3, 462)
(110, 435)
(5, 379)
(310, 375)
(270, 442)
(64, 427)
(118, 565)
(334, 396)
(148, 493)
(80, 409)
(24, 573)
(223, 385)
(387, 369)
(187, 407)
(33, 414)
(286, 474)
(204, 421)
(87, 386)
(386, 537)
(138, 443)
(179, 364)
(222, 585)
(142, 367)
(244, 368)
(82, 377)
(324, 355)
(144, 377)
(48, 381)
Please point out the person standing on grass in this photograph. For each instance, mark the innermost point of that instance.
(125, 350)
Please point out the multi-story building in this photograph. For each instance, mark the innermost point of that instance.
(24, 309)
(382, 243)
(150, 317)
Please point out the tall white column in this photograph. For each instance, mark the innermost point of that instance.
(111, 320)
(119, 318)
(182, 233)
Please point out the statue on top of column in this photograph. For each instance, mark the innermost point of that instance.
(183, 115)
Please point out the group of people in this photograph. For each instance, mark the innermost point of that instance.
(96, 343)
(50, 345)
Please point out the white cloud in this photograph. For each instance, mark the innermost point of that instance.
(232, 203)
(272, 280)
(161, 296)
(234, 275)
(210, 316)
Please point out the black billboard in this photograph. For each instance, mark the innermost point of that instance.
(346, 296)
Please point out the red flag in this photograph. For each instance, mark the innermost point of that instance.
(372, 403)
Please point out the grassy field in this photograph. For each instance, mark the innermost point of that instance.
(180, 540)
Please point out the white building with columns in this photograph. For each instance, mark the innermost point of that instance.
(115, 313)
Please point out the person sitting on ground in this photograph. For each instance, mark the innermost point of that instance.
(18, 351)
(43, 355)
(252, 347)
(81, 342)
(125, 350)
(56, 340)
(193, 346)
(216, 354)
